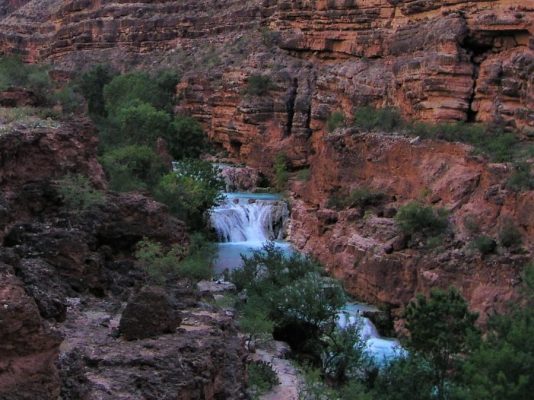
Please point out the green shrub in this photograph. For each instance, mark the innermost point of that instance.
(261, 378)
(335, 120)
(188, 139)
(137, 87)
(521, 179)
(78, 193)
(177, 262)
(258, 85)
(509, 235)
(71, 102)
(140, 123)
(91, 84)
(133, 168)
(471, 224)
(384, 119)
(191, 190)
(415, 218)
(15, 73)
(254, 318)
(484, 244)
(281, 174)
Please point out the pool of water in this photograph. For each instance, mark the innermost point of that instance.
(253, 196)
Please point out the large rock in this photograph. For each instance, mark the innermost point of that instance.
(149, 314)
(28, 350)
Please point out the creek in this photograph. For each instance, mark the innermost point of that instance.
(244, 222)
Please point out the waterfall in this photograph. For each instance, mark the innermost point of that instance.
(255, 218)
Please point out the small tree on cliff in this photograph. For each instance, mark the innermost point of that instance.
(440, 327)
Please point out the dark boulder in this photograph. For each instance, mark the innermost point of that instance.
(150, 313)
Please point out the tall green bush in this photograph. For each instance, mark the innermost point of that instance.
(415, 218)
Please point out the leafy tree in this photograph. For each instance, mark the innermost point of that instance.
(501, 367)
(78, 193)
(191, 190)
(187, 139)
(440, 327)
(140, 123)
(133, 167)
(136, 86)
(261, 378)
(15, 73)
(91, 84)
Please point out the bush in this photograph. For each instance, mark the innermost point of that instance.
(385, 119)
(71, 102)
(133, 168)
(15, 73)
(136, 87)
(192, 189)
(193, 264)
(254, 318)
(188, 139)
(335, 120)
(261, 378)
(484, 244)
(281, 174)
(91, 84)
(78, 193)
(258, 85)
(521, 179)
(415, 218)
(509, 235)
(141, 124)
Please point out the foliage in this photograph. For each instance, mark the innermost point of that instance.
(281, 175)
(304, 174)
(133, 167)
(193, 263)
(255, 319)
(335, 120)
(361, 197)
(91, 84)
(415, 218)
(187, 139)
(315, 388)
(258, 85)
(70, 101)
(509, 235)
(261, 378)
(484, 244)
(344, 355)
(137, 87)
(440, 328)
(407, 376)
(78, 193)
(522, 178)
(191, 190)
(141, 123)
(15, 73)
(384, 119)
(501, 367)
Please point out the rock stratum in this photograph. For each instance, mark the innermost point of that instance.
(433, 60)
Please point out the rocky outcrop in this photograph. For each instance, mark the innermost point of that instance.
(364, 248)
(28, 348)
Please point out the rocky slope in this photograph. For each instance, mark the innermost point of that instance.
(68, 278)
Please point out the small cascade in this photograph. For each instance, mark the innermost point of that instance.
(255, 218)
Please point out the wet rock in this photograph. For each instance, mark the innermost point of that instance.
(149, 314)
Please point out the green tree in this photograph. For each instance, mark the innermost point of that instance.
(415, 218)
(281, 175)
(140, 123)
(502, 366)
(191, 190)
(187, 139)
(91, 84)
(133, 168)
(440, 328)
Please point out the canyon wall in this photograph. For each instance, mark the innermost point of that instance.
(433, 60)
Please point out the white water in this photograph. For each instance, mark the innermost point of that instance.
(244, 222)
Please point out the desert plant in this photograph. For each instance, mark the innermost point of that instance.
(335, 120)
(281, 174)
(484, 244)
(78, 194)
(509, 235)
(258, 85)
(415, 218)
(382, 119)
(261, 378)
(522, 178)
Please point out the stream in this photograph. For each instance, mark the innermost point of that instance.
(244, 222)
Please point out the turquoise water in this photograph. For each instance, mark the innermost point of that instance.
(253, 196)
